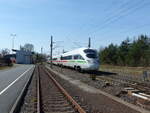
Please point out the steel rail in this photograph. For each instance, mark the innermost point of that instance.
(69, 98)
(136, 85)
(38, 91)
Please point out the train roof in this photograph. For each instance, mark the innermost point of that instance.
(73, 51)
(76, 51)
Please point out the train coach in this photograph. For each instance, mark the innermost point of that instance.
(79, 59)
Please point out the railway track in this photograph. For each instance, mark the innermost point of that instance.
(134, 84)
(52, 97)
(46, 95)
(123, 80)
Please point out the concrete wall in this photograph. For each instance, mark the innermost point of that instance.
(23, 57)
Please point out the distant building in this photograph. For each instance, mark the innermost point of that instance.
(23, 57)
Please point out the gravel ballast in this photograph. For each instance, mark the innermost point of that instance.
(97, 102)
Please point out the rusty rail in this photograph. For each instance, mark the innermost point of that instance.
(73, 102)
(38, 92)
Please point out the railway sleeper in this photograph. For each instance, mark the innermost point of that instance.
(56, 99)
(57, 102)
(64, 112)
(61, 109)
(56, 94)
(59, 105)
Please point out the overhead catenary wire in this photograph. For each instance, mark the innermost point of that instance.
(125, 9)
(123, 13)
(133, 29)
(137, 27)
(122, 5)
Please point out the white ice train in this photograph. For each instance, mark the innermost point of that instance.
(79, 59)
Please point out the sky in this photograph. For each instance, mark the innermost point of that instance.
(71, 22)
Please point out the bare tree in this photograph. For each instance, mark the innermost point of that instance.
(28, 47)
(5, 51)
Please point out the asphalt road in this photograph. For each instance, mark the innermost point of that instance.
(12, 82)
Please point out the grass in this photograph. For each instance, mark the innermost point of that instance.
(5, 67)
(124, 69)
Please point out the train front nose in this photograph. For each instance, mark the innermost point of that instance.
(93, 64)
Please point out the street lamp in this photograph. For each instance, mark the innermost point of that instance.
(13, 38)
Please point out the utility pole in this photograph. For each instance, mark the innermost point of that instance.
(89, 45)
(41, 55)
(51, 51)
(41, 50)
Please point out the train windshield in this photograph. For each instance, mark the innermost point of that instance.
(90, 53)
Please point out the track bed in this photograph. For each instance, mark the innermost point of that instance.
(111, 83)
(44, 96)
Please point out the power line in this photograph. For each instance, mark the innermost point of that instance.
(116, 18)
(113, 18)
(109, 8)
(122, 6)
(137, 27)
(113, 21)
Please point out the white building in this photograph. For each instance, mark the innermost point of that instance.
(23, 57)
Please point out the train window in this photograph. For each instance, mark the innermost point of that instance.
(54, 58)
(67, 58)
(91, 55)
(63, 58)
(78, 57)
(75, 56)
